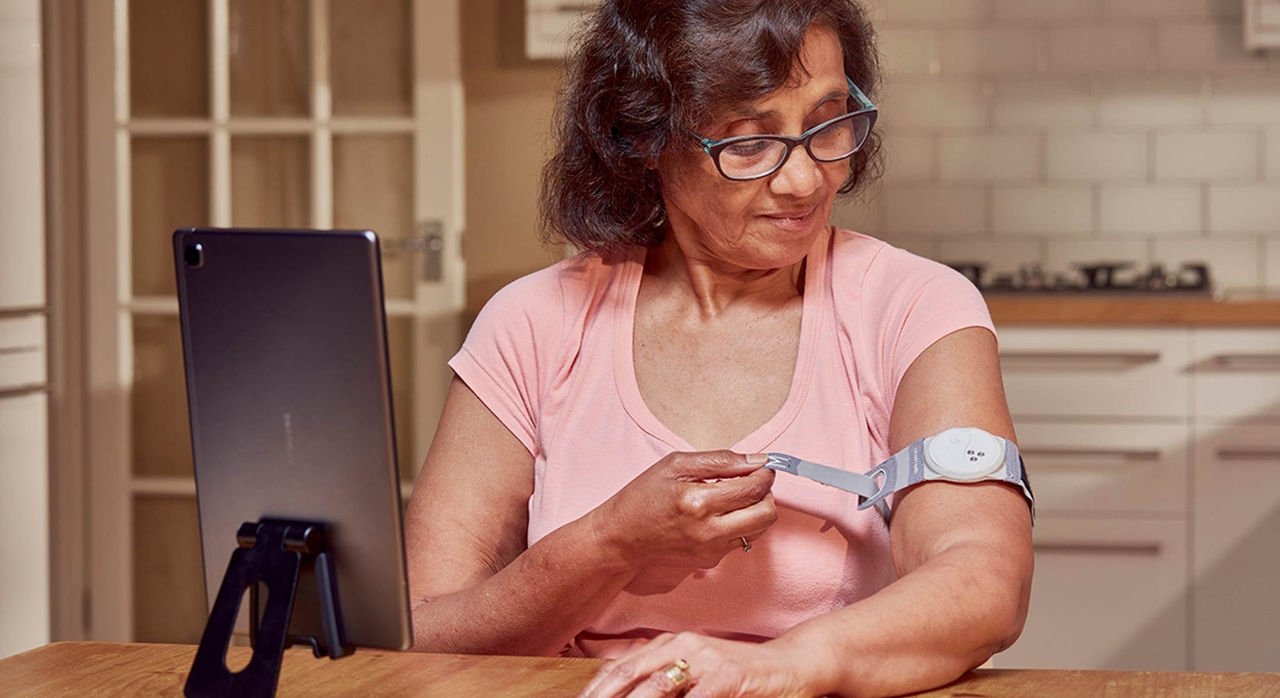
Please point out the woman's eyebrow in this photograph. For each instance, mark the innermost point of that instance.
(749, 113)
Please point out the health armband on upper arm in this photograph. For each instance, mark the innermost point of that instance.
(960, 454)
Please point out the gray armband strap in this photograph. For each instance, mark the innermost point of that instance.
(961, 454)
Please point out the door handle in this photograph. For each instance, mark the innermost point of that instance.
(1121, 454)
(1078, 359)
(1246, 362)
(1098, 547)
(1252, 454)
(429, 242)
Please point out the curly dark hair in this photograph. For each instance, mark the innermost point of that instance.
(643, 73)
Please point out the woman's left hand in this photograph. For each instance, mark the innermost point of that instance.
(715, 668)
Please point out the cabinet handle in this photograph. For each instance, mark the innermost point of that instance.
(1246, 362)
(1238, 454)
(1080, 359)
(22, 390)
(1098, 548)
(1145, 455)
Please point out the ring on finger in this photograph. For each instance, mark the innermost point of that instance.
(678, 673)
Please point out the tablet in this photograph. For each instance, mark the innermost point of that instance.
(289, 392)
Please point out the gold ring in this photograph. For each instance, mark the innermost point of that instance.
(746, 545)
(678, 672)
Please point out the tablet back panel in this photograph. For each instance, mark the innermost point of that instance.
(289, 395)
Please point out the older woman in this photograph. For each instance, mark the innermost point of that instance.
(595, 486)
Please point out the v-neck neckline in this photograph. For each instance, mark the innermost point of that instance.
(624, 369)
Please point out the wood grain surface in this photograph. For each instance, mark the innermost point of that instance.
(1151, 311)
(101, 668)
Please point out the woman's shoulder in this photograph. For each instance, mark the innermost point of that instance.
(545, 299)
(858, 258)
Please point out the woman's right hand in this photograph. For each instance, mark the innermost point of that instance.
(688, 510)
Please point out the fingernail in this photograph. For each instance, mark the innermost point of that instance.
(757, 458)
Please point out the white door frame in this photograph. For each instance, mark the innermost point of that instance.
(438, 194)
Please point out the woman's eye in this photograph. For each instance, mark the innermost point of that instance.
(747, 148)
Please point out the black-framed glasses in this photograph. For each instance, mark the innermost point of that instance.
(743, 158)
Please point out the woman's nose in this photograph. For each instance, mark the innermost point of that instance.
(799, 176)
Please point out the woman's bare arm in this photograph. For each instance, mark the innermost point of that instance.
(475, 588)
(472, 585)
(963, 553)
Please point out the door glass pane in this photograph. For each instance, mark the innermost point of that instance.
(158, 404)
(170, 179)
(373, 188)
(271, 181)
(270, 58)
(169, 57)
(371, 57)
(400, 350)
(168, 574)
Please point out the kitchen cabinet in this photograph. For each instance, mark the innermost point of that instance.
(1106, 468)
(1262, 24)
(1132, 374)
(1102, 416)
(1236, 486)
(1108, 593)
(1236, 376)
(1154, 454)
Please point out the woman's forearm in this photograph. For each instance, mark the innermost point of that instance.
(920, 632)
(533, 606)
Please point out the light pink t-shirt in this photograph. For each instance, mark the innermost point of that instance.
(551, 357)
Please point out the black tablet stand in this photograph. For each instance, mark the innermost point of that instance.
(274, 553)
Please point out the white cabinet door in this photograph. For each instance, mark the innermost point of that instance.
(1236, 375)
(1236, 619)
(24, 509)
(1107, 594)
(22, 353)
(1106, 468)
(1095, 373)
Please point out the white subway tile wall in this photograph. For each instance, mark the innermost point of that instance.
(1066, 131)
(1236, 263)
(1272, 165)
(1197, 155)
(1251, 209)
(935, 210)
(989, 156)
(1022, 210)
(1063, 255)
(1005, 253)
(1271, 268)
(1040, 105)
(1097, 155)
(1147, 210)
(1146, 103)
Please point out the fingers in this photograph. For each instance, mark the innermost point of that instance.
(712, 465)
(750, 521)
(737, 493)
(641, 673)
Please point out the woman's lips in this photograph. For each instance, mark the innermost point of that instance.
(796, 221)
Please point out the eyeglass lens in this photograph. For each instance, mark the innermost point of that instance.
(759, 156)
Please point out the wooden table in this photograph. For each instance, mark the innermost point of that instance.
(103, 668)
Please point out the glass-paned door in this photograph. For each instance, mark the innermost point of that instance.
(256, 113)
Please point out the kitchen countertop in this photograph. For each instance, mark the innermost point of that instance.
(1153, 311)
(100, 668)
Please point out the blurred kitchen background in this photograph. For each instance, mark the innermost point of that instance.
(1108, 170)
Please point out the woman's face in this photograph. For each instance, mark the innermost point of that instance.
(772, 222)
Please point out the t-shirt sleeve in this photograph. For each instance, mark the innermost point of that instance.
(920, 301)
(509, 350)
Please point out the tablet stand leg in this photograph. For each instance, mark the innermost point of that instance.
(272, 552)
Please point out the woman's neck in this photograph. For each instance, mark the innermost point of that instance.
(692, 276)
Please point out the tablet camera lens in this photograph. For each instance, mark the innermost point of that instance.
(194, 255)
